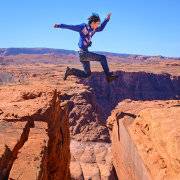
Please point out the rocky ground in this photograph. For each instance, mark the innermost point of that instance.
(27, 90)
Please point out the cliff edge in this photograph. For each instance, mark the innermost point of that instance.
(145, 139)
(34, 134)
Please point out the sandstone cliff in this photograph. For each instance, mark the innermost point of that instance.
(89, 102)
(134, 86)
(87, 127)
(34, 135)
(145, 139)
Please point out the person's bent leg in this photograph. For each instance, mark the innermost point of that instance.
(80, 73)
(77, 72)
(89, 56)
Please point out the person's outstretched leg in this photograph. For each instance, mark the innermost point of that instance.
(79, 73)
(85, 73)
(85, 57)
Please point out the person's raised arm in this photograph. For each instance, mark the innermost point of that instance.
(77, 28)
(103, 24)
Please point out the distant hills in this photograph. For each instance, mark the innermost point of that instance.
(10, 56)
(16, 51)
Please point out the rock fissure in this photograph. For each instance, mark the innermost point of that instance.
(88, 103)
(132, 87)
(42, 146)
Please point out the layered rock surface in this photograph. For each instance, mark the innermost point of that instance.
(28, 96)
(91, 160)
(34, 134)
(145, 139)
(133, 85)
(89, 102)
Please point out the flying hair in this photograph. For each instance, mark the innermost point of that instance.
(94, 18)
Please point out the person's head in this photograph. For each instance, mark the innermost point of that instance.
(94, 21)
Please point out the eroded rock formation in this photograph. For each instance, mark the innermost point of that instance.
(91, 160)
(145, 139)
(89, 101)
(85, 116)
(34, 136)
(134, 86)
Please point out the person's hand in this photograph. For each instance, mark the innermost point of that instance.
(55, 26)
(109, 15)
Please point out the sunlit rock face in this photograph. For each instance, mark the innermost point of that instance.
(145, 139)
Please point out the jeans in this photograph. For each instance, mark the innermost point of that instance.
(85, 57)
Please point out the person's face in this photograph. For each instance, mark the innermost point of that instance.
(94, 25)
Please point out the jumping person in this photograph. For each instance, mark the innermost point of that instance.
(86, 32)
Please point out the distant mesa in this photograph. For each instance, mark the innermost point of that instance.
(48, 51)
(61, 56)
(16, 51)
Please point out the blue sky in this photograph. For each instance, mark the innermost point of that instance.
(150, 27)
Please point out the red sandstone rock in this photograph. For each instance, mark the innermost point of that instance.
(91, 160)
(34, 135)
(87, 100)
(31, 162)
(12, 137)
(143, 139)
(156, 133)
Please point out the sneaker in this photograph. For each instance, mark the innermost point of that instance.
(67, 72)
(111, 78)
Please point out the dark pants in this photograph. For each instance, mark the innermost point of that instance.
(85, 57)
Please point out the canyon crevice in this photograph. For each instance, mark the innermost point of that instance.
(132, 85)
(34, 145)
(40, 116)
(138, 91)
